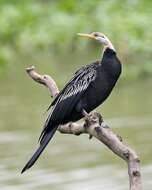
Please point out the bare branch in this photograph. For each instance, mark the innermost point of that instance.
(96, 127)
(46, 80)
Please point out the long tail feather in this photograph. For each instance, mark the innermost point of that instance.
(38, 152)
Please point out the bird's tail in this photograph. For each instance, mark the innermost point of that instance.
(38, 152)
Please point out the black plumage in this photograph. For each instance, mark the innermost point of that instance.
(88, 88)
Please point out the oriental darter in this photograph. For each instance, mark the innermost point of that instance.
(89, 87)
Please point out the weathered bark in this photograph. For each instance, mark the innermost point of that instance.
(96, 127)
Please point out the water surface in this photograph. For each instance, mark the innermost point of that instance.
(70, 162)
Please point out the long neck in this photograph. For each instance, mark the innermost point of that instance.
(111, 63)
(108, 44)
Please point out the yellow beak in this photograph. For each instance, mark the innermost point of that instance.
(86, 35)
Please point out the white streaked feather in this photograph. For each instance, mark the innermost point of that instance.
(79, 85)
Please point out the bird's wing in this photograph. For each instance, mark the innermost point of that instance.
(68, 97)
(77, 74)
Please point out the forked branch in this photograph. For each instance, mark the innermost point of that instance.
(96, 127)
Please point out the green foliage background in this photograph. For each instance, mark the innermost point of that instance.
(33, 26)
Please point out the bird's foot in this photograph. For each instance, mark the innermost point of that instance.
(92, 118)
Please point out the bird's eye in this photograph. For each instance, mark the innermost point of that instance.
(96, 34)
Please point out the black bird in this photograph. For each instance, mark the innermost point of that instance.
(88, 88)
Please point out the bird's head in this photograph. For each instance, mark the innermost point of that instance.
(103, 39)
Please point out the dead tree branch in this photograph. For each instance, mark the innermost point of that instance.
(96, 127)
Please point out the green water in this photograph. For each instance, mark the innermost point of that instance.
(70, 162)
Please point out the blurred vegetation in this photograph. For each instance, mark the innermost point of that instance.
(35, 26)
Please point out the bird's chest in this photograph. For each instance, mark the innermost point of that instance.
(98, 91)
